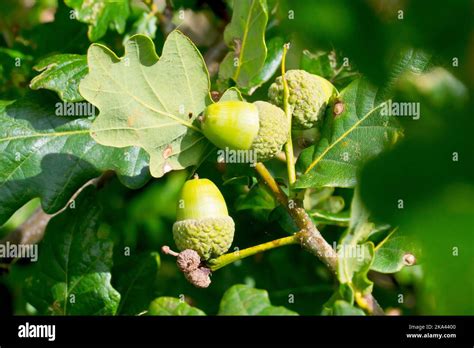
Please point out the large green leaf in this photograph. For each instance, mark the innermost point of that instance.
(244, 300)
(61, 73)
(359, 133)
(347, 140)
(48, 156)
(135, 281)
(245, 35)
(270, 66)
(258, 200)
(101, 15)
(149, 102)
(72, 276)
(172, 306)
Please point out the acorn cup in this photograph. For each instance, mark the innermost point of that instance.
(238, 125)
(202, 221)
(309, 96)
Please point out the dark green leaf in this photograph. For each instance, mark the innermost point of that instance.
(259, 200)
(271, 65)
(135, 281)
(72, 276)
(61, 73)
(15, 69)
(245, 35)
(49, 156)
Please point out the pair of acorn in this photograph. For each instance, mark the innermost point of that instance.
(203, 223)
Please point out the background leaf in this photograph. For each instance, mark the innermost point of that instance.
(419, 27)
(244, 300)
(329, 65)
(148, 102)
(72, 276)
(135, 281)
(146, 24)
(61, 73)
(270, 66)
(258, 200)
(51, 157)
(100, 15)
(245, 35)
(172, 306)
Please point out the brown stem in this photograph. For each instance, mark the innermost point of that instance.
(31, 231)
(309, 237)
(165, 19)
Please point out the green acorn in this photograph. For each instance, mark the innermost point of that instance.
(309, 95)
(238, 125)
(203, 223)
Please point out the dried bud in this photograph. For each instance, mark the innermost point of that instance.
(188, 260)
(200, 277)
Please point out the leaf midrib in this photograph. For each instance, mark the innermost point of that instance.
(244, 40)
(161, 112)
(79, 132)
(342, 137)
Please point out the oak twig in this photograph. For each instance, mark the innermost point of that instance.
(309, 236)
